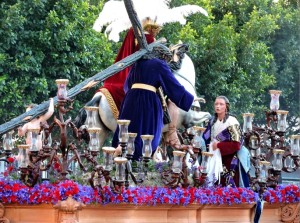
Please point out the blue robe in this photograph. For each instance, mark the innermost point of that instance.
(143, 107)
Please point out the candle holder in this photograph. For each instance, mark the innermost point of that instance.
(26, 165)
(274, 104)
(197, 145)
(277, 160)
(130, 145)
(281, 120)
(94, 143)
(119, 178)
(147, 150)
(204, 163)
(204, 167)
(99, 172)
(108, 153)
(35, 144)
(264, 169)
(147, 146)
(46, 139)
(173, 176)
(32, 134)
(7, 141)
(63, 156)
(191, 154)
(253, 142)
(177, 161)
(92, 116)
(62, 93)
(120, 169)
(295, 145)
(263, 176)
(123, 134)
(45, 176)
(129, 155)
(7, 146)
(197, 139)
(23, 159)
(248, 119)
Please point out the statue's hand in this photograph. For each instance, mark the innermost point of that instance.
(118, 151)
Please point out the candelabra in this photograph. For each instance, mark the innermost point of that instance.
(40, 154)
(124, 160)
(190, 160)
(269, 154)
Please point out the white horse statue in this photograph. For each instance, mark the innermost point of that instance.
(184, 71)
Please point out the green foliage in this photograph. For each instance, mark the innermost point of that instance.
(46, 40)
(284, 45)
(242, 50)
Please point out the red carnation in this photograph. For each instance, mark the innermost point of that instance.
(10, 159)
(10, 168)
(120, 198)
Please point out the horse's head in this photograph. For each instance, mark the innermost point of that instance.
(178, 52)
(183, 68)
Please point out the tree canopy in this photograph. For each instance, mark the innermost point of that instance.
(241, 50)
(46, 40)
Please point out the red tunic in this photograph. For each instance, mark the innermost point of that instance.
(228, 150)
(115, 83)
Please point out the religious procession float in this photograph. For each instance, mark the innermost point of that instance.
(61, 171)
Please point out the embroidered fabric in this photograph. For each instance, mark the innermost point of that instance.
(215, 164)
(228, 175)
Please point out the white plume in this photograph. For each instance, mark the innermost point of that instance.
(112, 11)
(187, 10)
(114, 15)
(115, 28)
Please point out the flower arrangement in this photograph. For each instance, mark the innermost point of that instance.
(15, 192)
(282, 194)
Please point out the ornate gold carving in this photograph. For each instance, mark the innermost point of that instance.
(69, 205)
(235, 132)
(111, 102)
(89, 85)
(2, 212)
(290, 213)
(68, 210)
